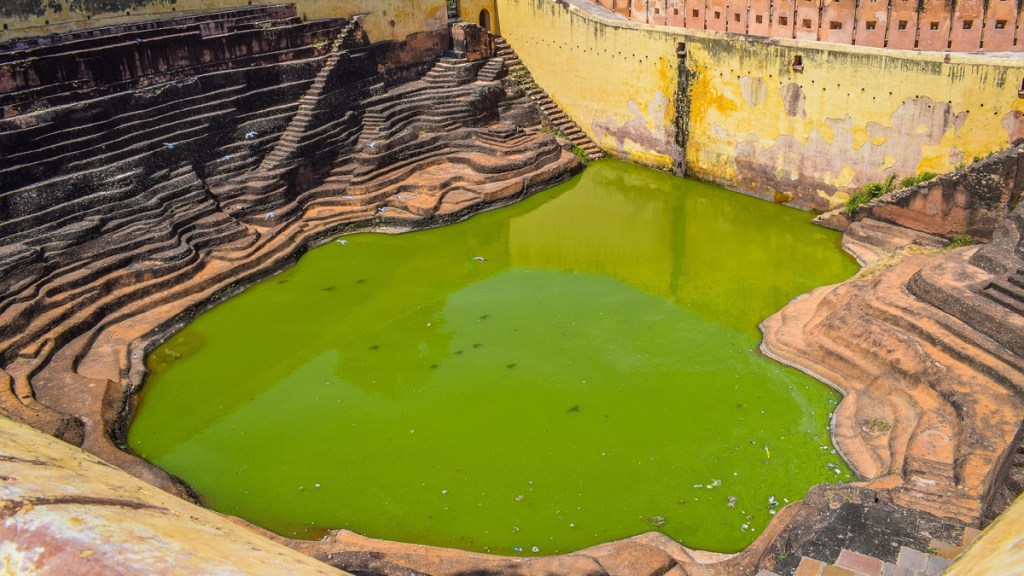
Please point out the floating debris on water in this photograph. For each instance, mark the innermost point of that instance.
(656, 521)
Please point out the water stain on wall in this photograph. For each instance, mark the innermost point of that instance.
(754, 90)
(793, 99)
(661, 139)
(818, 171)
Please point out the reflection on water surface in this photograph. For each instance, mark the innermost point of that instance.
(577, 368)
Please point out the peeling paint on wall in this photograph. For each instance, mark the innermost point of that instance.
(793, 99)
(826, 164)
(753, 123)
(648, 129)
(754, 90)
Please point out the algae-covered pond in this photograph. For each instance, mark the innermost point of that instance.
(576, 368)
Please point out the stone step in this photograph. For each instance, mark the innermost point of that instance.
(859, 563)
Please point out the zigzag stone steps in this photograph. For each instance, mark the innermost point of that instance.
(101, 262)
(552, 113)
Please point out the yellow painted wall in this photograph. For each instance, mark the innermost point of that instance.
(600, 73)
(755, 125)
(469, 11)
(409, 16)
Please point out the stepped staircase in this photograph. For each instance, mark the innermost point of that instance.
(553, 115)
(289, 142)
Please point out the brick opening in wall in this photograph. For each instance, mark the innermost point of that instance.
(902, 25)
(1020, 91)
(798, 62)
(833, 25)
(870, 25)
(736, 16)
(1000, 24)
(807, 23)
(696, 13)
(718, 15)
(759, 19)
(783, 21)
(968, 24)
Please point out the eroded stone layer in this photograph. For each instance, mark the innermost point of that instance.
(139, 205)
(928, 351)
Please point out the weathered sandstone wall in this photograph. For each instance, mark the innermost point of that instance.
(133, 205)
(738, 112)
(940, 25)
(384, 20)
(63, 511)
(974, 200)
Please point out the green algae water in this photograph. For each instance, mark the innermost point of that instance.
(580, 367)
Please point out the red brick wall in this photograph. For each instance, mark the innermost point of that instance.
(931, 25)
(872, 21)
(807, 13)
(1000, 25)
(762, 9)
(656, 12)
(737, 16)
(676, 12)
(967, 19)
(638, 10)
(782, 18)
(837, 21)
(933, 33)
(694, 11)
(717, 15)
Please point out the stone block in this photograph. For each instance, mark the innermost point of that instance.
(970, 535)
(859, 563)
(912, 559)
(890, 569)
(936, 565)
(945, 549)
(809, 567)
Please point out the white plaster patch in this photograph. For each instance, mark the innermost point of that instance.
(15, 561)
(754, 90)
(652, 131)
